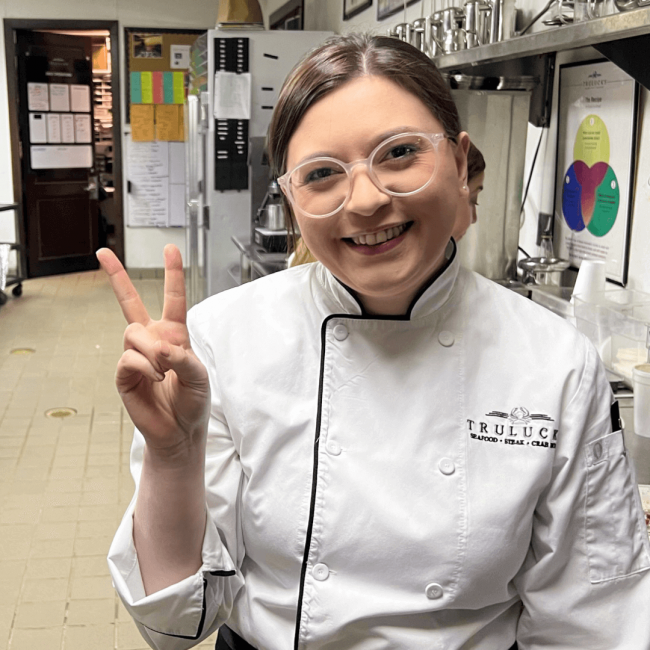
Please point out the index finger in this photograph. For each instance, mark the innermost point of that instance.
(174, 303)
(132, 307)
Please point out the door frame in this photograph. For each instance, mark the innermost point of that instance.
(10, 27)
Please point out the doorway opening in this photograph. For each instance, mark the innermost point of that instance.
(65, 141)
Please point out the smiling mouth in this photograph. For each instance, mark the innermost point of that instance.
(378, 238)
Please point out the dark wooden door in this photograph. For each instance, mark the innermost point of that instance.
(55, 97)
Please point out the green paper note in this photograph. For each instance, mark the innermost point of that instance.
(136, 88)
(168, 87)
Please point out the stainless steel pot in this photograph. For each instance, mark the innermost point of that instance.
(272, 217)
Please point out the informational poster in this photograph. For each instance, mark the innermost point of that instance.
(37, 97)
(37, 128)
(82, 128)
(595, 165)
(53, 128)
(79, 98)
(67, 128)
(60, 97)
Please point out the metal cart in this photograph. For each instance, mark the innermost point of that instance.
(16, 280)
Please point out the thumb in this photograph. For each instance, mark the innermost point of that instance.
(189, 370)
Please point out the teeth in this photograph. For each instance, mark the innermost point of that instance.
(379, 237)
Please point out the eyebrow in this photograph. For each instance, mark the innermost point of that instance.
(373, 143)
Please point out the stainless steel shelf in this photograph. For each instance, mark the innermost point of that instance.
(618, 27)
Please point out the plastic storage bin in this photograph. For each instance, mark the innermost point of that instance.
(557, 299)
(618, 324)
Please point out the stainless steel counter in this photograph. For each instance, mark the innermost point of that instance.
(255, 262)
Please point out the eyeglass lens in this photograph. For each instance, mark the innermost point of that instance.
(401, 165)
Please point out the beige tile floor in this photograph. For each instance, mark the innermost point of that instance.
(64, 482)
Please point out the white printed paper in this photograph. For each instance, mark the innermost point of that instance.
(67, 128)
(53, 128)
(232, 96)
(176, 204)
(179, 57)
(148, 202)
(147, 170)
(61, 157)
(37, 97)
(82, 128)
(79, 99)
(37, 128)
(59, 97)
(177, 162)
(147, 159)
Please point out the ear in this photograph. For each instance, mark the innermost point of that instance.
(461, 157)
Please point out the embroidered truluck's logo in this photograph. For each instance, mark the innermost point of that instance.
(521, 427)
(519, 415)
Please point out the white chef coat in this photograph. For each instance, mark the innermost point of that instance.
(444, 480)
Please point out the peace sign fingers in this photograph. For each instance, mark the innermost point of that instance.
(174, 303)
(132, 307)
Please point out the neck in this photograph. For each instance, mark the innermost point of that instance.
(399, 305)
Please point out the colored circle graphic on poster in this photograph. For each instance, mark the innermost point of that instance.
(590, 192)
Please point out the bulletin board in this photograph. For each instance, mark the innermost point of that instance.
(155, 50)
(158, 63)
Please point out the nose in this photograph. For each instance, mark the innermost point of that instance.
(365, 197)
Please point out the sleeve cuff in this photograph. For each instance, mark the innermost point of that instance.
(178, 610)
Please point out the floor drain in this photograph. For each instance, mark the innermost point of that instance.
(22, 351)
(64, 412)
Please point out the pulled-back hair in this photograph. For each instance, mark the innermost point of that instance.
(343, 58)
(475, 162)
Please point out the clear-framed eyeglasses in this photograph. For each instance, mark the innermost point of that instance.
(401, 165)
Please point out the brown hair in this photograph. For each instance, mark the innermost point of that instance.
(343, 58)
(475, 162)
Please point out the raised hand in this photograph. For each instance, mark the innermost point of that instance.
(162, 383)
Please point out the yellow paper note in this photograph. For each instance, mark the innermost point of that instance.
(147, 87)
(142, 123)
(167, 122)
(179, 88)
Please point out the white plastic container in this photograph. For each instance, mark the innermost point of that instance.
(617, 322)
(641, 379)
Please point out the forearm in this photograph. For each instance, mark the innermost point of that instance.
(169, 518)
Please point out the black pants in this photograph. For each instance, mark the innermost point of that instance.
(228, 640)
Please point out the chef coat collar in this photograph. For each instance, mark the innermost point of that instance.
(432, 295)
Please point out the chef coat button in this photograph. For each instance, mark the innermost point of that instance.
(320, 572)
(598, 450)
(446, 466)
(446, 338)
(333, 448)
(434, 591)
(340, 332)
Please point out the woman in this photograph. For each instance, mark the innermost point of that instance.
(475, 176)
(381, 450)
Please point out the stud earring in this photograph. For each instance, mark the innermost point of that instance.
(464, 187)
